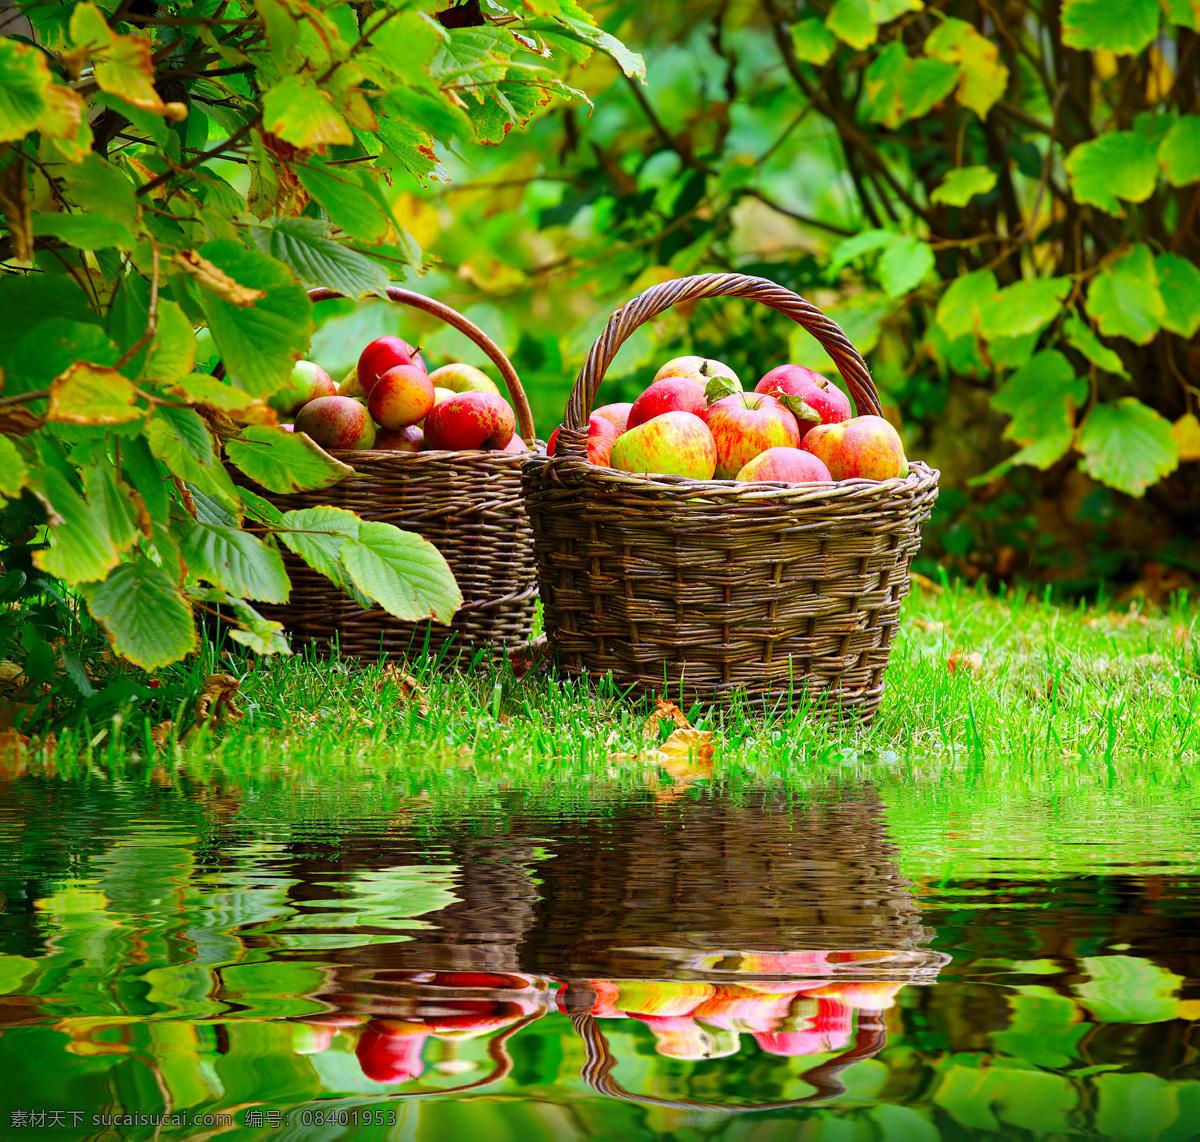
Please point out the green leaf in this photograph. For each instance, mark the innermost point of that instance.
(413, 148)
(1124, 297)
(352, 204)
(317, 536)
(99, 188)
(85, 231)
(403, 572)
(46, 350)
(982, 78)
(80, 546)
(1125, 27)
(318, 260)
(259, 343)
(1179, 284)
(850, 21)
(201, 389)
(1023, 307)
(261, 635)
(92, 394)
(959, 308)
(862, 243)
(111, 503)
(1041, 397)
(284, 461)
(260, 509)
(1127, 446)
(628, 61)
(903, 265)
(899, 88)
(181, 440)
(145, 615)
(173, 350)
(1079, 336)
(1042, 454)
(14, 472)
(1185, 13)
(961, 185)
(27, 301)
(300, 113)
(812, 41)
(24, 82)
(1128, 989)
(1117, 164)
(433, 115)
(235, 560)
(1179, 151)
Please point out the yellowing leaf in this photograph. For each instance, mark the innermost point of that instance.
(128, 71)
(982, 78)
(24, 81)
(1186, 432)
(88, 28)
(92, 394)
(216, 281)
(960, 186)
(63, 114)
(850, 21)
(299, 112)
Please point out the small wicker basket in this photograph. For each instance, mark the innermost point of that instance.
(467, 504)
(783, 593)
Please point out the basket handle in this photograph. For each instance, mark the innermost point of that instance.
(657, 298)
(467, 327)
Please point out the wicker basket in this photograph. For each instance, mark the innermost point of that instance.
(467, 504)
(784, 593)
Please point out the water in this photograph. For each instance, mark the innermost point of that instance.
(862, 960)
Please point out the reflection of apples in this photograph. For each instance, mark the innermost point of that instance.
(745, 424)
(389, 1050)
(382, 354)
(602, 435)
(402, 396)
(863, 448)
(673, 394)
(822, 396)
(678, 1037)
(698, 369)
(470, 420)
(867, 996)
(786, 465)
(674, 444)
(461, 378)
(337, 422)
(308, 381)
(617, 413)
(662, 997)
(407, 439)
(827, 1030)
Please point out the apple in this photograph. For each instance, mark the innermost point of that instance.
(407, 439)
(745, 424)
(823, 398)
(698, 369)
(402, 396)
(862, 448)
(470, 420)
(441, 393)
(349, 386)
(382, 354)
(617, 413)
(674, 444)
(461, 378)
(602, 435)
(516, 446)
(672, 394)
(307, 382)
(337, 422)
(785, 465)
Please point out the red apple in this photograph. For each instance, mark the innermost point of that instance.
(602, 435)
(407, 439)
(470, 420)
(672, 394)
(674, 444)
(823, 398)
(382, 354)
(862, 448)
(389, 1050)
(516, 446)
(617, 413)
(402, 396)
(460, 378)
(308, 381)
(745, 424)
(699, 369)
(785, 465)
(337, 422)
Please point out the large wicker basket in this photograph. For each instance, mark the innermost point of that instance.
(783, 593)
(467, 504)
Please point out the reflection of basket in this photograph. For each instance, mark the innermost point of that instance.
(784, 592)
(467, 504)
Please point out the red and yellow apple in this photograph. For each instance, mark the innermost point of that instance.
(745, 424)
(460, 378)
(671, 394)
(337, 422)
(602, 435)
(470, 420)
(382, 354)
(785, 465)
(673, 444)
(862, 448)
(407, 439)
(349, 386)
(698, 369)
(617, 413)
(823, 398)
(307, 382)
(402, 396)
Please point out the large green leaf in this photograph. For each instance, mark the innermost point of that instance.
(181, 440)
(903, 265)
(92, 394)
(43, 351)
(80, 546)
(1179, 151)
(1125, 27)
(235, 560)
(1080, 337)
(259, 343)
(1023, 307)
(1125, 299)
(317, 535)
(13, 469)
(1127, 446)
(86, 231)
(317, 260)
(24, 82)
(959, 308)
(27, 301)
(284, 461)
(145, 615)
(861, 243)
(1041, 397)
(405, 573)
(1117, 164)
(1179, 284)
(961, 185)
(628, 61)
(300, 113)
(350, 198)
(100, 188)
(112, 505)
(173, 351)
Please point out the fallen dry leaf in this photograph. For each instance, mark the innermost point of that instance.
(410, 689)
(929, 626)
(11, 674)
(14, 758)
(15, 420)
(925, 583)
(1157, 584)
(969, 663)
(216, 701)
(160, 733)
(525, 658)
(686, 754)
(665, 713)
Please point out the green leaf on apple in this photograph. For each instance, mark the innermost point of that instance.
(1127, 445)
(798, 407)
(720, 387)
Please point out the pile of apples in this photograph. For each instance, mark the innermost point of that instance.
(694, 420)
(390, 402)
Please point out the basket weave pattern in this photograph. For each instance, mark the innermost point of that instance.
(467, 504)
(783, 592)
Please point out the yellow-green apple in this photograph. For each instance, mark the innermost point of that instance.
(671, 394)
(407, 439)
(745, 424)
(813, 398)
(698, 369)
(382, 354)
(673, 444)
(602, 435)
(349, 386)
(470, 420)
(307, 382)
(402, 396)
(617, 413)
(337, 422)
(862, 448)
(441, 393)
(785, 465)
(460, 378)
